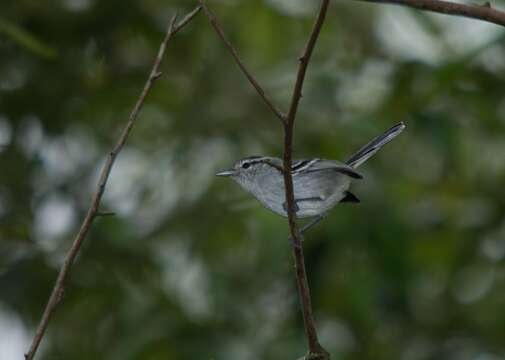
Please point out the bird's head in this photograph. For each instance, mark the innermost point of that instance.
(246, 171)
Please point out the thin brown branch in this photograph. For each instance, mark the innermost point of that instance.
(219, 30)
(93, 210)
(315, 349)
(482, 12)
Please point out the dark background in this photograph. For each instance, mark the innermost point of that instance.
(193, 268)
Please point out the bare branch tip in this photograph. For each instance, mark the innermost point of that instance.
(207, 11)
(173, 27)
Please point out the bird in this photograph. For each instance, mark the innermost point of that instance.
(319, 184)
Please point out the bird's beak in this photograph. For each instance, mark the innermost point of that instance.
(226, 173)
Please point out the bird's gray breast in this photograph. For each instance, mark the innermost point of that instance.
(270, 190)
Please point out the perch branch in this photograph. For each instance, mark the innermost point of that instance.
(315, 349)
(481, 12)
(219, 30)
(93, 211)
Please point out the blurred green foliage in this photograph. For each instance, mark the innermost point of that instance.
(192, 268)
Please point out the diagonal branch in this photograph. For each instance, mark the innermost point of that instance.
(266, 99)
(316, 350)
(93, 211)
(481, 12)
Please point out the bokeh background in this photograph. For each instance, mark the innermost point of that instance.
(192, 268)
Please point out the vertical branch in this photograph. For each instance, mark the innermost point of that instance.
(93, 210)
(316, 350)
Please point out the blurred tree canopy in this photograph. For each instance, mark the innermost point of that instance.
(192, 268)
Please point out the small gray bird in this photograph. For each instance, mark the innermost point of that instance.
(319, 184)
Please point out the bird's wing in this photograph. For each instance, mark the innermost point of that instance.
(314, 165)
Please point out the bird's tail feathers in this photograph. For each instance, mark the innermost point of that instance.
(374, 145)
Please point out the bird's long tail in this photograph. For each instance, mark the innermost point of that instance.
(374, 145)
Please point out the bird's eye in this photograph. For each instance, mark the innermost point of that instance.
(245, 165)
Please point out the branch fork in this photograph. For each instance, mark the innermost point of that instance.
(316, 351)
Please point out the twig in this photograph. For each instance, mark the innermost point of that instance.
(240, 63)
(481, 12)
(315, 349)
(93, 211)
